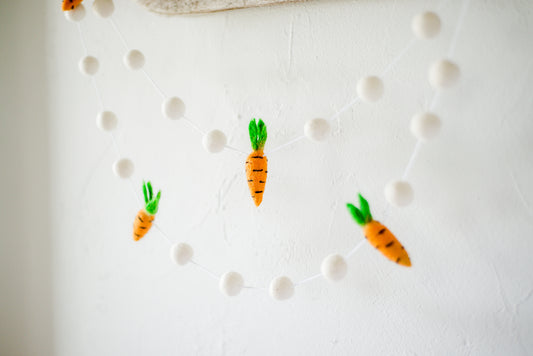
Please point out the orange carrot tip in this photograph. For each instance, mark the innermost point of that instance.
(69, 5)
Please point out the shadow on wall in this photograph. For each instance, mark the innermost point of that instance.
(25, 242)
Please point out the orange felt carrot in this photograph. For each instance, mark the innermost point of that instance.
(70, 4)
(378, 235)
(256, 163)
(145, 217)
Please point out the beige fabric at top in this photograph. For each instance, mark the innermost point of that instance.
(199, 6)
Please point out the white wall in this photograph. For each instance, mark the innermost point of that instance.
(469, 231)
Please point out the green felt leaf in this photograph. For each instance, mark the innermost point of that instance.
(153, 205)
(144, 192)
(262, 134)
(150, 192)
(365, 209)
(252, 129)
(356, 214)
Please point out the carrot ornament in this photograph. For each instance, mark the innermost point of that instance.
(256, 163)
(145, 217)
(378, 235)
(70, 4)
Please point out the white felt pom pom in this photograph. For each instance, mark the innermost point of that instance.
(231, 284)
(181, 253)
(426, 25)
(106, 121)
(443, 74)
(134, 59)
(89, 65)
(123, 168)
(214, 141)
(425, 126)
(317, 129)
(76, 15)
(334, 267)
(370, 89)
(281, 288)
(399, 193)
(173, 108)
(103, 8)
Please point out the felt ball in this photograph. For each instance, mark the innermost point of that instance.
(370, 89)
(76, 15)
(134, 59)
(181, 253)
(426, 25)
(317, 129)
(103, 8)
(443, 74)
(334, 267)
(425, 126)
(89, 65)
(173, 108)
(281, 288)
(231, 284)
(106, 121)
(399, 193)
(123, 168)
(214, 141)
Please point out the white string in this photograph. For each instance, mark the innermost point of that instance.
(354, 102)
(412, 159)
(291, 142)
(164, 234)
(354, 250)
(98, 93)
(154, 84)
(453, 44)
(235, 149)
(206, 270)
(119, 33)
(399, 57)
(194, 126)
(307, 280)
(82, 39)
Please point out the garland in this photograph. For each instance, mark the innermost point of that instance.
(424, 126)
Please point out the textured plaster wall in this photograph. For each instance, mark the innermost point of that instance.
(469, 230)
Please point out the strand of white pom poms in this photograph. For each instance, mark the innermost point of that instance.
(424, 126)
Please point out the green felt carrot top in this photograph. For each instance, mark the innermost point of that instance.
(258, 134)
(362, 215)
(151, 203)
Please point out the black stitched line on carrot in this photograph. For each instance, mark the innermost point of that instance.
(382, 231)
(389, 244)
